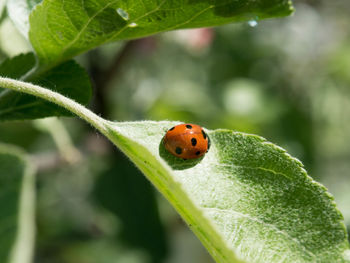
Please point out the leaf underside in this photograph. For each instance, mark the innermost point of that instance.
(18, 11)
(62, 29)
(249, 192)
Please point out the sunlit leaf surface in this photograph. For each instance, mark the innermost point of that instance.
(247, 198)
(62, 29)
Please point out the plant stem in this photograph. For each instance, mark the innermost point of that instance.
(54, 97)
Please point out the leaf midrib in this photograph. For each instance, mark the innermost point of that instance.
(86, 24)
(96, 14)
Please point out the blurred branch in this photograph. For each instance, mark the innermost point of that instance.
(69, 153)
(47, 161)
(92, 145)
(102, 78)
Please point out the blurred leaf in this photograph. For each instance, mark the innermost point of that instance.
(247, 198)
(18, 66)
(3, 13)
(100, 251)
(18, 11)
(124, 182)
(72, 27)
(12, 133)
(68, 78)
(17, 206)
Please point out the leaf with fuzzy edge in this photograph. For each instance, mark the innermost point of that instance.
(246, 199)
(17, 197)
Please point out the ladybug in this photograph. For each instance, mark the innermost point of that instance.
(186, 141)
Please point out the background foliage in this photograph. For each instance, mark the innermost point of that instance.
(285, 79)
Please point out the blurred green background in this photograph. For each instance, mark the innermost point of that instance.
(284, 79)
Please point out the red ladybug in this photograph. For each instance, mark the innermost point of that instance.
(186, 141)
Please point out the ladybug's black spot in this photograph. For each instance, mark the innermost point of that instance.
(178, 150)
(204, 134)
(184, 159)
(198, 153)
(172, 128)
(194, 141)
(189, 126)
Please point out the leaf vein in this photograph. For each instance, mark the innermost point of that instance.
(190, 19)
(69, 18)
(19, 107)
(272, 227)
(86, 25)
(256, 168)
(135, 20)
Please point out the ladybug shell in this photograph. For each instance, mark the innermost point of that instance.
(186, 141)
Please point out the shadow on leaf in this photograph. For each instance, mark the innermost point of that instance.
(175, 162)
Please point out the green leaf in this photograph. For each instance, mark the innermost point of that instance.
(3, 13)
(17, 206)
(61, 29)
(68, 78)
(247, 198)
(18, 66)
